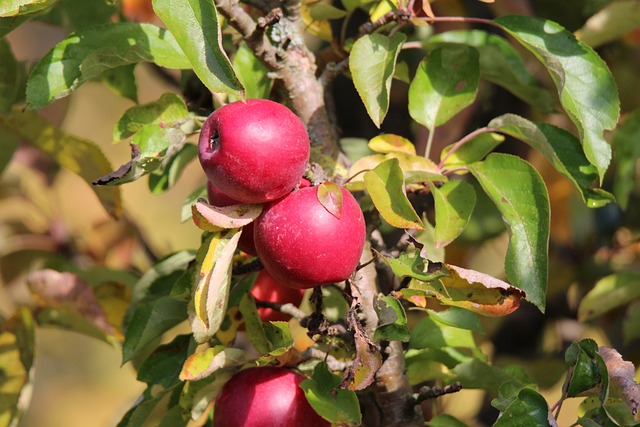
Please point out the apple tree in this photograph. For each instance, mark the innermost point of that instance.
(333, 243)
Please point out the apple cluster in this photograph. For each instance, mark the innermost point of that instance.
(257, 152)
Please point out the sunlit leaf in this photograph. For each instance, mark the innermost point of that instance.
(500, 64)
(88, 53)
(586, 88)
(149, 149)
(429, 332)
(372, 62)
(471, 290)
(609, 23)
(561, 148)
(627, 152)
(215, 218)
(385, 186)
(212, 290)
(78, 155)
(330, 197)
(520, 195)
(445, 83)
(390, 143)
(454, 203)
(10, 8)
(472, 151)
(252, 74)
(17, 349)
(608, 293)
(168, 110)
(196, 27)
(334, 404)
(202, 364)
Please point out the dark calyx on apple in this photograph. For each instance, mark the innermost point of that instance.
(265, 397)
(303, 245)
(254, 151)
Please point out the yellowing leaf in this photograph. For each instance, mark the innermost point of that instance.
(201, 365)
(330, 197)
(385, 186)
(472, 290)
(390, 143)
(214, 218)
(212, 290)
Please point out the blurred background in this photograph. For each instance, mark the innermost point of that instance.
(50, 217)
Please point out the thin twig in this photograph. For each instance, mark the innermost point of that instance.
(250, 267)
(427, 392)
(287, 308)
(333, 363)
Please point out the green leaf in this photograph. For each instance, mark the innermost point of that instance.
(454, 203)
(211, 293)
(337, 405)
(528, 409)
(411, 264)
(122, 82)
(458, 317)
(138, 414)
(611, 22)
(80, 156)
(385, 185)
(252, 74)
(196, 27)
(392, 320)
(166, 112)
(89, 53)
(9, 24)
(500, 64)
(609, 293)
(586, 88)
(631, 323)
(10, 75)
(163, 366)
(429, 332)
(190, 200)
(372, 62)
(17, 350)
(561, 148)
(390, 143)
(476, 373)
(520, 195)
(445, 420)
(445, 83)
(323, 11)
(205, 363)
(149, 150)
(472, 151)
(85, 14)
(627, 150)
(586, 373)
(169, 174)
(150, 320)
(10, 8)
(266, 337)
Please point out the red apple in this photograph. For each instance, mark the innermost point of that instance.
(254, 151)
(218, 198)
(303, 245)
(265, 397)
(268, 289)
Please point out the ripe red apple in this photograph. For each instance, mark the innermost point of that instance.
(254, 151)
(268, 289)
(218, 198)
(265, 397)
(303, 245)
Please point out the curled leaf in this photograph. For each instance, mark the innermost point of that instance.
(330, 196)
(201, 365)
(621, 378)
(215, 218)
